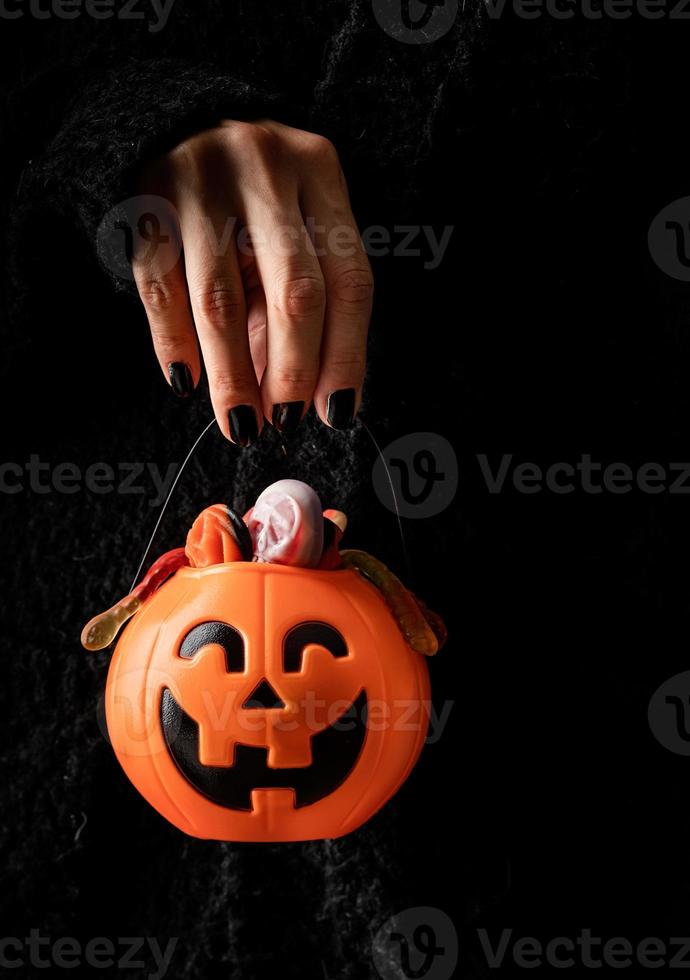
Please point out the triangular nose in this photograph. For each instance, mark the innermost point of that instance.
(263, 696)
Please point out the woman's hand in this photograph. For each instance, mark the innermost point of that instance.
(268, 272)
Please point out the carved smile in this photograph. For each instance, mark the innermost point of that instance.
(335, 751)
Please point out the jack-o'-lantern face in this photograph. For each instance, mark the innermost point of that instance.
(262, 702)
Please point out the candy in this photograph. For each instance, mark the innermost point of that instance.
(401, 602)
(100, 631)
(213, 539)
(286, 525)
(334, 524)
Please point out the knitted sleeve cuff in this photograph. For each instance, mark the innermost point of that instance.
(126, 116)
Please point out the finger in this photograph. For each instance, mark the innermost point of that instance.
(159, 276)
(349, 296)
(218, 304)
(295, 303)
(258, 339)
(256, 314)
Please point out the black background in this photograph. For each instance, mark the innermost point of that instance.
(547, 332)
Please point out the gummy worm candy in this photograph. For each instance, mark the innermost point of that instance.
(100, 631)
(418, 632)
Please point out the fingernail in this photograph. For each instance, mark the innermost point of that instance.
(340, 408)
(244, 429)
(286, 416)
(181, 380)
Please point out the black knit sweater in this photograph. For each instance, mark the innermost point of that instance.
(544, 332)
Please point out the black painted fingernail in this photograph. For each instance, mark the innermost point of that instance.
(181, 380)
(286, 416)
(244, 429)
(340, 408)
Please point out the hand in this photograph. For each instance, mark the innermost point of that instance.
(281, 319)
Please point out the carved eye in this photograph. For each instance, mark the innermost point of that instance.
(222, 634)
(301, 636)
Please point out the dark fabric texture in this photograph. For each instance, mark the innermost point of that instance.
(545, 332)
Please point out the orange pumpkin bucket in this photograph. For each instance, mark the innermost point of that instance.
(259, 701)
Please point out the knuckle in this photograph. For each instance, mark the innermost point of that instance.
(169, 344)
(185, 162)
(353, 287)
(197, 164)
(260, 154)
(348, 366)
(254, 138)
(180, 156)
(301, 296)
(158, 293)
(235, 380)
(220, 301)
(294, 378)
(320, 150)
(263, 139)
